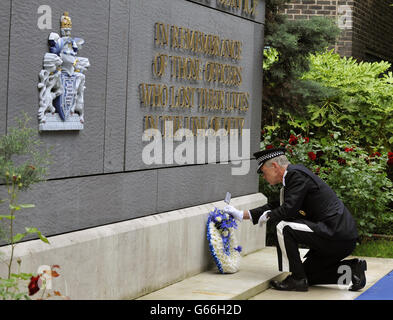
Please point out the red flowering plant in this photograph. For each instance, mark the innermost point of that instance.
(358, 177)
(390, 161)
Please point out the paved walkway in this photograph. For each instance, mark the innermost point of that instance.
(252, 282)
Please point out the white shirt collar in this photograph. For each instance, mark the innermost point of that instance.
(283, 177)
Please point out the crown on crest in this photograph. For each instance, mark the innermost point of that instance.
(66, 22)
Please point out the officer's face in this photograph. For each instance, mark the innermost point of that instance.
(271, 173)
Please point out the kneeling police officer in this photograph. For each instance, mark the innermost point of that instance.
(311, 214)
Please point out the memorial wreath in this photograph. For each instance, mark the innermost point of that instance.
(222, 241)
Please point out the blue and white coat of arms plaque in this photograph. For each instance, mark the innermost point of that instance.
(62, 82)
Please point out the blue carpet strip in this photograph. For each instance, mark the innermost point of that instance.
(382, 290)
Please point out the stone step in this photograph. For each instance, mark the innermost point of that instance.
(256, 271)
(252, 282)
(377, 268)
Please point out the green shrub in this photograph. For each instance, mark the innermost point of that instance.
(294, 40)
(361, 103)
(270, 57)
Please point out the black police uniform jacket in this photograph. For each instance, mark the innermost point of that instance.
(309, 200)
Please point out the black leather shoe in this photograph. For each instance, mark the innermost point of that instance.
(358, 275)
(290, 284)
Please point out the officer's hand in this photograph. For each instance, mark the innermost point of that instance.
(237, 214)
(263, 218)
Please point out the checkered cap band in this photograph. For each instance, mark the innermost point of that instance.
(262, 159)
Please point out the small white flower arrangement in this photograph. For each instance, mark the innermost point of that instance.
(222, 241)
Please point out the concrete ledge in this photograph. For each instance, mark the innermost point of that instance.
(136, 257)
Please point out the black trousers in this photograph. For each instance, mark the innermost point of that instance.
(324, 262)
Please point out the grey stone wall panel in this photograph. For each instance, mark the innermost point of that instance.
(74, 153)
(258, 17)
(142, 51)
(183, 187)
(116, 97)
(79, 203)
(5, 7)
(119, 39)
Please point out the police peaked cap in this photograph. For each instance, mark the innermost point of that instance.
(265, 155)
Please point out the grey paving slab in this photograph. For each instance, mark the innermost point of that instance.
(75, 153)
(116, 91)
(5, 7)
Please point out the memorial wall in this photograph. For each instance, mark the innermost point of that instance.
(172, 105)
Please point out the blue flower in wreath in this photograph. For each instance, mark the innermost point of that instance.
(238, 248)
